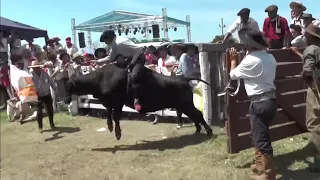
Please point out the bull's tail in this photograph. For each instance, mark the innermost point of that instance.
(198, 79)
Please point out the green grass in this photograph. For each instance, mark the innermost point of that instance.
(145, 152)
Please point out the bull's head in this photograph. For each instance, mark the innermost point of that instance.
(82, 84)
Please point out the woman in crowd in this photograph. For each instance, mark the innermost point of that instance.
(42, 82)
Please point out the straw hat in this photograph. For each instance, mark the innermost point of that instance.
(297, 3)
(76, 56)
(253, 38)
(313, 30)
(36, 64)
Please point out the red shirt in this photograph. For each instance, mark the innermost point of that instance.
(269, 29)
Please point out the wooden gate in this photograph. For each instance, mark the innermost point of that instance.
(290, 94)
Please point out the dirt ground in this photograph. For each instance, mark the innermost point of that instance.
(76, 151)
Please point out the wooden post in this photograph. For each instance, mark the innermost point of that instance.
(73, 107)
(206, 90)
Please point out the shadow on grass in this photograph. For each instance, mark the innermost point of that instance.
(161, 145)
(283, 161)
(60, 130)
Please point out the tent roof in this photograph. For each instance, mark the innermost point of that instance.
(124, 18)
(25, 31)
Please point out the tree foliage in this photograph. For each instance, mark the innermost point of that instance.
(219, 38)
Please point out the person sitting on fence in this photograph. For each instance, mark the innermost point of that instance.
(311, 75)
(297, 11)
(276, 29)
(244, 21)
(42, 82)
(258, 69)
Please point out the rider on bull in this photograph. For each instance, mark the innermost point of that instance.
(124, 47)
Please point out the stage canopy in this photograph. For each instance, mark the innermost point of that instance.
(25, 31)
(128, 20)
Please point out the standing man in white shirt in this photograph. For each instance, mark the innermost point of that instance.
(243, 21)
(258, 70)
(70, 48)
(124, 47)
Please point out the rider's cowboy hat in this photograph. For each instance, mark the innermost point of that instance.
(35, 63)
(313, 30)
(253, 38)
(107, 34)
(297, 3)
(103, 50)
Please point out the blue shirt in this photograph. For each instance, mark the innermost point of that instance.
(188, 67)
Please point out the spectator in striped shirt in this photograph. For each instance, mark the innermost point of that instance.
(42, 82)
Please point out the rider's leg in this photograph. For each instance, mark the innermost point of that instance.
(136, 75)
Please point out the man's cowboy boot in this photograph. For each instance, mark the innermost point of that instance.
(257, 166)
(315, 167)
(267, 172)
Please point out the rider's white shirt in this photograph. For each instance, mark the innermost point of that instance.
(122, 46)
(258, 70)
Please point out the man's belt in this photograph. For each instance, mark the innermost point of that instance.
(264, 96)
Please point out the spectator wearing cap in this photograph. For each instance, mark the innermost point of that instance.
(309, 19)
(70, 48)
(124, 47)
(298, 38)
(310, 73)
(258, 70)
(243, 21)
(297, 10)
(276, 29)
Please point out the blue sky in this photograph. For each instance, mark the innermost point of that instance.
(55, 16)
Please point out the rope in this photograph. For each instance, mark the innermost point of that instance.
(226, 91)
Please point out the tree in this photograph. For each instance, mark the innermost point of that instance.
(219, 39)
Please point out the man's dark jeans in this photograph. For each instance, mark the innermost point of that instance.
(261, 113)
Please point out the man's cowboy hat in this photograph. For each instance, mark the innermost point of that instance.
(313, 30)
(50, 40)
(103, 50)
(107, 34)
(297, 3)
(36, 63)
(56, 39)
(307, 16)
(253, 38)
(76, 56)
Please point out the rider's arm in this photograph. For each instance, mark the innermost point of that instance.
(112, 55)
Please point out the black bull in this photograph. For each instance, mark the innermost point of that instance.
(109, 85)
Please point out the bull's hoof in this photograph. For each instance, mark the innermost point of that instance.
(110, 125)
(118, 136)
(198, 131)
(210, 133)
